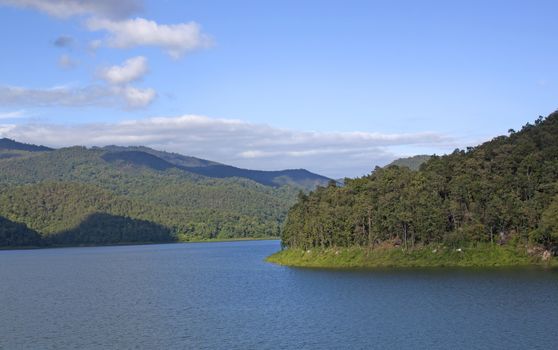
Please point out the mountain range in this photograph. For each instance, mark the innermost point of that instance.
(114, 194)
(160, 160)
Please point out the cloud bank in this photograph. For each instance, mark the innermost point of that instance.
(93, 95)
(239, 143)
(69, 8)
(118, 93)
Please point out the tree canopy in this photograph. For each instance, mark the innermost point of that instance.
(501, 190)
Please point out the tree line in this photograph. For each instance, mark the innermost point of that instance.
(503, 190)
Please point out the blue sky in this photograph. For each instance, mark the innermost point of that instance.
(333, 86)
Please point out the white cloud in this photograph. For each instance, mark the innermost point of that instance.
(94, 95)
(175, 39)
(137, 98)
(239, 143)
(120, 76)
(69, 8)
(131, 70)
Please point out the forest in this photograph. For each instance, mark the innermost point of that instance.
(501, 192)
(115, 194)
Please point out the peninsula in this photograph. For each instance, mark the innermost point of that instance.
(491, 205)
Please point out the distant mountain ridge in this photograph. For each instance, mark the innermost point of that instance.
(163, 160)
(174, 158)
(12, 145)
(160, 160)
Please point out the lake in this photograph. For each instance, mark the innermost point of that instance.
(225, 296)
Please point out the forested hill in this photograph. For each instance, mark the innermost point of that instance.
(504, 190)
(294, 177)
(77, 195)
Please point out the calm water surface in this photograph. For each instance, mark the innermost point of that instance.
(224, 296)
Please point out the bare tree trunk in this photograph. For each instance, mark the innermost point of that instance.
(370, 241)
(405, 234)
(322, 237)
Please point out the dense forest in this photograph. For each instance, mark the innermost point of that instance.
(111, 195)
(504, 190)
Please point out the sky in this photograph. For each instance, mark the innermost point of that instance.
(336, 87)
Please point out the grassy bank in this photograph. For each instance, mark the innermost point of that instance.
(486, 255)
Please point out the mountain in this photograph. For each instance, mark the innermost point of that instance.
(412, 163)
(8, 144)
(68, 195)
(13, 149)
(294, 177)
(143, 155)
(173, 158)
(503, 191)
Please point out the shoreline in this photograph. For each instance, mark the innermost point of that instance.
(485, 255)
(211, 240)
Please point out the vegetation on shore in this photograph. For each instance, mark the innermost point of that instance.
(499, 197)
(483, 255)
(70, 245)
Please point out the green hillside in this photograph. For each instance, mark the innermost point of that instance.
(67, 195)
(501, 192)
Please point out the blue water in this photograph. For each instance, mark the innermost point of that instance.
(224, 296)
